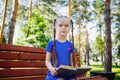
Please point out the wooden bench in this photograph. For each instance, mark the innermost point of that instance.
(22, 63)
(26, 63)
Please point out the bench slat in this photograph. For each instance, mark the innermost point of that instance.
(24, 78)
(92, 78)
(22, 72)
(13, 64)
(8, 47)
(76, 54)
(22, 63)
(18, 56)
(77, 58)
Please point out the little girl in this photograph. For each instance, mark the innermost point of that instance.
(63, 49)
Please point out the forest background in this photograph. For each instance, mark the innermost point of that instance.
(30, 23)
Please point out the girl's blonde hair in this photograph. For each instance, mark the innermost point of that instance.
(71, 22)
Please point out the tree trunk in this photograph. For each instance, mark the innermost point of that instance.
(87, 55)
(108, 52)
(13, 21)
(102, 59)
(30, 15)
(79, 31)
(30, 11)
(3, 21)
(101, 51)
(85, 58)
(69, 15)
(78, 40)
(37, 5)
(87, 42)
(69, 8)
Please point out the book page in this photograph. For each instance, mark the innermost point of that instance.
(67, 67)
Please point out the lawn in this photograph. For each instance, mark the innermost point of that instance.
(101, 68)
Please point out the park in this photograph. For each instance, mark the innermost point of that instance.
(26, 27)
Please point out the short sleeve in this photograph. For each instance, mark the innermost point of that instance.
(72, 48)
(49, 47)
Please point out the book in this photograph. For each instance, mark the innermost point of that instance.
(67, 71)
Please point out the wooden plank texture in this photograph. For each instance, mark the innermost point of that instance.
(13, 64)
(22, 56)
(92, 78)
(24, 78)
(22, 63)
(8, 47)
(22, 72)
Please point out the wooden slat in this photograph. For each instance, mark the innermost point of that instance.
(77, 58)
(13, 64)
(22, 72)
(8, 47)
(24, 78)
(92, 78)
(18, 56)
(78, 64)
(76, 54)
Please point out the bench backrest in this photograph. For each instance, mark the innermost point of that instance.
(22, 63)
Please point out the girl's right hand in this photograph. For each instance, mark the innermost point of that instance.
(53, 71)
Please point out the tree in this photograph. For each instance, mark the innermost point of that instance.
(118, 52)
(116, 23)
(100, 46)
(3, 22)
(36, 27)
(98, 13)
(85, 5)
(80, 14)
(30, 15)
(46, 10)
(77, 15)
(69, 8)
(69, 14)
(49, 9)
(30, 9)
(13, 21)
(108, 52)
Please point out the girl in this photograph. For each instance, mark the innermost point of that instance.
(63, 49)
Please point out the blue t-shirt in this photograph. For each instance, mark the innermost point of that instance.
(63, 51)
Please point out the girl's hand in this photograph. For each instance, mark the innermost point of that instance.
(54, 71)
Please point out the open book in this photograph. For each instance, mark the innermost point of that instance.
(67, 71)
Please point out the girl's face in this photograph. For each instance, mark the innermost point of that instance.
(62, 26)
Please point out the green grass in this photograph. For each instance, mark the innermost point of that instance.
(101, 68)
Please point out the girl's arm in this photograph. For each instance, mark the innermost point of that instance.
(49, 65)
(71, 59)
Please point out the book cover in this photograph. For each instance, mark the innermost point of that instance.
(68, 71)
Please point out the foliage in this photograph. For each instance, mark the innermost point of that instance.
(118, 52)
(4, 39)
(116, 26)
(34, 32)
(95, 58)
(100, 44)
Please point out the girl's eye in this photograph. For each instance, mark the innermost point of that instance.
(66, 25)
(60, 25)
